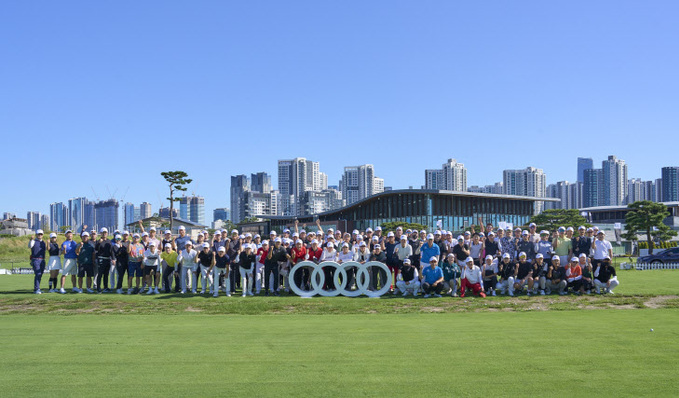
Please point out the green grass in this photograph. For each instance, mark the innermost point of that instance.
(584, 353)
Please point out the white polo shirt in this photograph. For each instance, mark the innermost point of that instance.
(601, 248)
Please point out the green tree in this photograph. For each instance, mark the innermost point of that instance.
(176, 181)
(391, 226)
(552, 219)
(646, 217)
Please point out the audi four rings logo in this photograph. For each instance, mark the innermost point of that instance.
(341, 279)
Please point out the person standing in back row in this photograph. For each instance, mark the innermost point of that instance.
(54, 265)
(104, 251)
(38, 249)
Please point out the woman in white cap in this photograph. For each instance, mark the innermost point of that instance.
(220, 267)
(135, 258)
(246, 263)
(151, 264)
(54, 264)
(206, 259)
(329, 254)
(188, 259)
(169, 264)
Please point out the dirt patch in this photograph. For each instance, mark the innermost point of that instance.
(658, 301)
(193, 309)
(432, 309)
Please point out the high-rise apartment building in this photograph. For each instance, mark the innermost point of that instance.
(359, 182)
(145, 210)
(295, 177)
(527, 182)
(452, 176)
(614, 181)
(76, 209)
(592, 194)
(106, 214)
(128, 213)
(670, 184)
(584, 164)
(221, 213)
(33, 219)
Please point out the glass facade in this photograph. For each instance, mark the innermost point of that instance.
(456, 212)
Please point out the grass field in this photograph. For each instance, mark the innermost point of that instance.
(173, 345)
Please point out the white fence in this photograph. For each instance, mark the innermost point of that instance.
(649, 266)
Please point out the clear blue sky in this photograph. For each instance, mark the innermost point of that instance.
(96, 94)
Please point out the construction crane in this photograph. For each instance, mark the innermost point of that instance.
(95, 194)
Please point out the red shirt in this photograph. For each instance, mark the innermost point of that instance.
(315, 255)
(298, 254)
(262, 253)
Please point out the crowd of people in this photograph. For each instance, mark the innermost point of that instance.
(489, 262)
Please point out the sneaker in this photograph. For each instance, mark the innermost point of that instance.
(149, 292)
(542, 292)
(588, 292)
(90, 290)
(493, 293)
(528, 293)
(437, 295)
(511, 294)
(244, 294)
(427, 296)
(405, 294)
(183, 292)
(276, 293)
(562, 293)
(155, 291)
(51, 291)
(216, 294)
(598, 290)
(250, 294)
(38, 291)
(266, 293)
(228, 294)
(202, 292)
(130, 290)
(107, 291)
(454, 294)
(610, 291)
(193, 291)
(62, 291)
(482, 294)
(462, 295)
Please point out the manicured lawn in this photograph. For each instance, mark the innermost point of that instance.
(578, 353)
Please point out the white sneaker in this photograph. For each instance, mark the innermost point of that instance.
(149, 292)
(494, 293)
(244, 294)
(454, 294)
(129, 291)
(119, 291)
(202, 292)
(228, 294)
(216, 294)
(193, 291)
(437, 295)
(38, 291)
(542, 292)
(62, 291)
(90, 290)
(155, 291)
(427, 296)
(183, 292)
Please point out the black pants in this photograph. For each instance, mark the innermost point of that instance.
(167, 279)
(489, 283)
(269, 270)
(121, 268)
(428, 289)
(302, 278)
(104, 269)
(377, 274)
(575, 285)
(233, 275)
(329, 273)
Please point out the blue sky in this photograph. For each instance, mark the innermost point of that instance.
(109, 94)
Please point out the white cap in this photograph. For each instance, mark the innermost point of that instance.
(221, 249)
(489, 257)
(330, 244)
(135, 235)
(450, 255)
(242, 236)
(295, 234)
(168, 245)
(434, 258)
(188, 243)
(403, 237)
(246, 246)
(437, 232)
(582, 255)
(126, 232)
(469, 259)
(390, 234)
(368, 230)
(506, 255)
(582, 227)
(345, 244)
(531, 225)
(272, 233)
(467, 233)
(257, 236)
(406, 261)
(362, 244)
(556, 258)
(522, 254)
(574, 259)
(200, 234)
(430, 236)
(83, 234)
(298, 241)
(424, 231)
(460, 238)
(539, 255)
(235, 231)
(101, 231)
(354, 232)
(277, 240)
(206, 245)
(314, 242)
(569, 229)
(145, 234)
(167, 231)
(378, 228)
(53, 235)
(152, 229)
(182, 228)
(248, 235)
(525, 232)
(152, 243)
(491, 233)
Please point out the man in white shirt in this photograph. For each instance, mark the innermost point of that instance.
(408, 279)
(471, 279)
(187, 259)
(601, 248)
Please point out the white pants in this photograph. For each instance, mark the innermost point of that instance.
(258, 276)
(188, 272)
(112, 276)
(216, 272)
(602, 285)
(246, 284)
(412, 286)
(205, 278)
(508, 284)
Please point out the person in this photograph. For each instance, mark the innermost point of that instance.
(104, 251)
(232, 251)
(539, 274)
(70, 263)
(408, 279)
(389, 246)
(362, 255)
(169, 263)
(532, 231)
(556, 277)
(171, 273)
(329, 254)
(38, 249)
(274, 257)
(507, 243)
(150, 266)
(471, 279)
(206, 260)
(54, 264)
(574, 275)
(490, 271)
(297, 254)
(433, 278)
(262, 252)
(85, 252)
(135, 254)
(527, 246)
(581, 243)
(544, 246)
(188, 258)
(523, 275)
(246, 262)
(429, 250)
(345, 256)
(220, 267)
(451, 274)
(120, 259)
(507, 270)
(376, 275)
(601, 248)
(492, 246)
(476, 249)
(586, 266)
(563, 246)
(461, 252)
(604, 276)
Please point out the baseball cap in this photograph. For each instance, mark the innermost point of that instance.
(522, 254)
(489, 257)
(277, 240)
(582, 255)
(182, 228)
(101, 231)
(532, 225)
(581, 228)
(83, 234)
(135, 235)
(469, 260)
(246, 246)
(378, 228)
(126, 232)
(118, 237)
(53, 235)
(437, 232)
(406, 261)
(467, 233)
(235, 231)
(298, 242)
(257, 236)
(345, 244)
(574, 259)
(524, 232)
(399, 228)
(570, 229)
(168, 245)
(403, 237)
(562, 229)
(167, 231)
(368, 230)
(206, 245)
(543, 232)
(152, 229)
(362, 244)
(152, 243)
(248, 235)
(145, 234)
(188, 243)
(314, 242)
(424, 231)
(221, 249)
(272, 233)
(293, 234)
(459, 238)
(330, 244)
(390, 234)
(539, 255)
(556, 258)
(601, 232)
(376, 239)
(430, 237)
(491, 233)
(506, 255)
(68, 231)
(434, 259)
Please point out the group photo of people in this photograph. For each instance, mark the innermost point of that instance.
(493, 262)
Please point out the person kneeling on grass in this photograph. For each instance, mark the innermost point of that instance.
(451, 274)
(605, 277)
(574, 275)
(540, 269)
(489, 272)
(471, 279)
(556, 277)
(433, 278)
(507, 270)
(408, 279)
(524, 275)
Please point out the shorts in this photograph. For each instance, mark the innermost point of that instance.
(134, 269)
(70, 267)
(54, 263)
(86, 269)
(147, 270)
